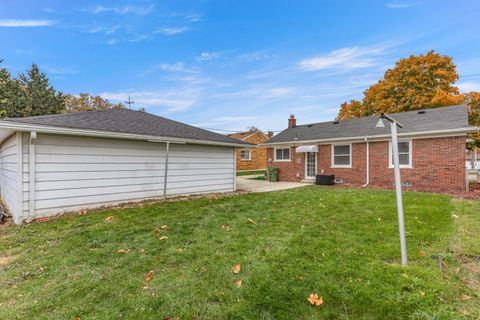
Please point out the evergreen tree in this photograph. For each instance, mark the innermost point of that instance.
(38, 97)
(9, 95)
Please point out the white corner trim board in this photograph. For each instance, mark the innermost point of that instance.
(18, 215)
(32, 152)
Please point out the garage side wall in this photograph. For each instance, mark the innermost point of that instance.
(9, 178)
(74, 173)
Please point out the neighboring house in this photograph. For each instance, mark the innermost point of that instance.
(70, 162)
(251, 158)
(432, 147)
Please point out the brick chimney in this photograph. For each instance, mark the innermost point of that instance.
(292, 122)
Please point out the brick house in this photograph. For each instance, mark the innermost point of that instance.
(358, 152)
(251, 158)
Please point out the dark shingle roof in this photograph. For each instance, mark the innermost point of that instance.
(126, 121)
(445, 118)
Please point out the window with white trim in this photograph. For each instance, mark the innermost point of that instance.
(342, 156)
(404, 154)
(282, 154)
(245, 155)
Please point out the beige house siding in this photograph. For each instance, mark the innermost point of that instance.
(258, 155)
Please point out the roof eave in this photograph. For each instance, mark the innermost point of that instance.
(17, 126)
(426, 134)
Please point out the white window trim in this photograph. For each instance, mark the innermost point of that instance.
(410, 155)
(281, 160)
(332, 164)
(249, 155)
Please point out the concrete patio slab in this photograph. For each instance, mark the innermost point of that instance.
(246, 184)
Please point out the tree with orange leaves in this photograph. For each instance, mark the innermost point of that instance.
(417, 82)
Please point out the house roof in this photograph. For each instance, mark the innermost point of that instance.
(445, 119)
(243, 135)
(125, 121)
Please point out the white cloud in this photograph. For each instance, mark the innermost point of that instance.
(398, 4)
(177, 67)
(342, 59)
(107, 30)
(111, 42)
(13, 23)
(170, 31)
(139, 37)
(170, 100)
(191, 17)
(59, 70)
(205, 56)
(468, 86)
(253, 56)
(233, 118)
(128, 9)
(278, 92)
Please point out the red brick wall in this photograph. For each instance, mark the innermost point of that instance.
(294, 170)
(438, 165)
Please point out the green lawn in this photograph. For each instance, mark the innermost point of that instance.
(250, 173)
(337, 242)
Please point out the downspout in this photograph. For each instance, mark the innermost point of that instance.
(368, 162)
(165, 174)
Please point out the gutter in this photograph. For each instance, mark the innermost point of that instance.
(459, 131)
(113, 134)
(368, 162)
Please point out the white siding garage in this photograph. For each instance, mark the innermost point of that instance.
(75, 173)
(44, 174)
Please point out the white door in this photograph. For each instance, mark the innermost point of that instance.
(310, 165)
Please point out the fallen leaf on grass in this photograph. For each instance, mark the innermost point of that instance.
(225, 228)
(162, 227)
(123, 251)
(76, 318)
(315, 300)
(238, 283)
(465, 297)
(149, 276)
(163, 238)
(236, 268)
(110, 219)
(422, 293)
(422, 253)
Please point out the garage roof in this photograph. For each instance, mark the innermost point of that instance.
(126, 121)
(445, 119)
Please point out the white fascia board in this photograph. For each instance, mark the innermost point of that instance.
(110, 134)
(416, 135)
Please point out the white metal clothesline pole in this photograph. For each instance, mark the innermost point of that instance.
(398, 185)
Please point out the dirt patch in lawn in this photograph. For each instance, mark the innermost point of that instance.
(470, 271)
(6, 260)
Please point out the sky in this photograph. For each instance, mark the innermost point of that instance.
(226, 65)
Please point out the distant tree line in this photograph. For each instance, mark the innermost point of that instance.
(30, 94)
